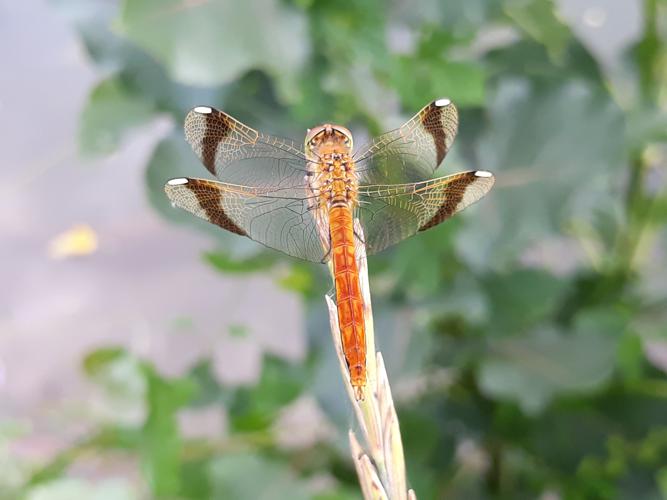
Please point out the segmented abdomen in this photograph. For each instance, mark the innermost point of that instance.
(348, 294)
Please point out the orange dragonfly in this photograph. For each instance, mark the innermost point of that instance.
(304, 200)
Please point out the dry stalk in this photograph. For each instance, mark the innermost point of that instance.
(381, 466)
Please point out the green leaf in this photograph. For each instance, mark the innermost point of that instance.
(528, 58)
(255, 408)
(338, 494)
(223, 262)
(537, 18)
(661, 479)
(196, 480)
(92, 19)
(98, 360)
(210, 43)
(161, 445)
(423, 277)
(76, 489)
(646, 126)
(630, 357)
(531, 370)
(244, 475)
(418, 80)
(111, 110)
(522, 299)
(299, 278)
(238, 331)
(457, 17)
(649, 53)
(557, 152)
(122, 386)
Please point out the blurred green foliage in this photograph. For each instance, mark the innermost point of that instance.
(542, 306)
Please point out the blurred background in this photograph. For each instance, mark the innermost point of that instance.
(145, 354)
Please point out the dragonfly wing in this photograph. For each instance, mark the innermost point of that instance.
(390, 213)
(413, 151)
(222, 143)
(276, 218)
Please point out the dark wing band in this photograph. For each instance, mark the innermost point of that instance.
(221, 142)
(392, 212)
(413, 151)
(274, 218)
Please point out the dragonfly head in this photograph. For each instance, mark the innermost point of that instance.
(329, 138)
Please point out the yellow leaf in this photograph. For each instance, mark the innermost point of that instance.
(75, 242)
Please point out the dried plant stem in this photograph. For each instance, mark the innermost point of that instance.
(381, 466)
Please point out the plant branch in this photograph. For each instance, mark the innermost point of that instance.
(381, 467)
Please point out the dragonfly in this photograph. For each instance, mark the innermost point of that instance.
(320, 200)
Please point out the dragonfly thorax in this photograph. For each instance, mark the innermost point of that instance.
(336, 180)
(329, 151)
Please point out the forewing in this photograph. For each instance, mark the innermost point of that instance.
(222, 143)
(390, 213)
(413, 151)
(270, 217)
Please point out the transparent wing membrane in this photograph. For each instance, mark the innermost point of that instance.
(272, 218)
(238, 154)
(390, 213)
(267, 191)
(413, 151)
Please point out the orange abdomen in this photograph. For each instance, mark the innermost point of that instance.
(348, 295)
